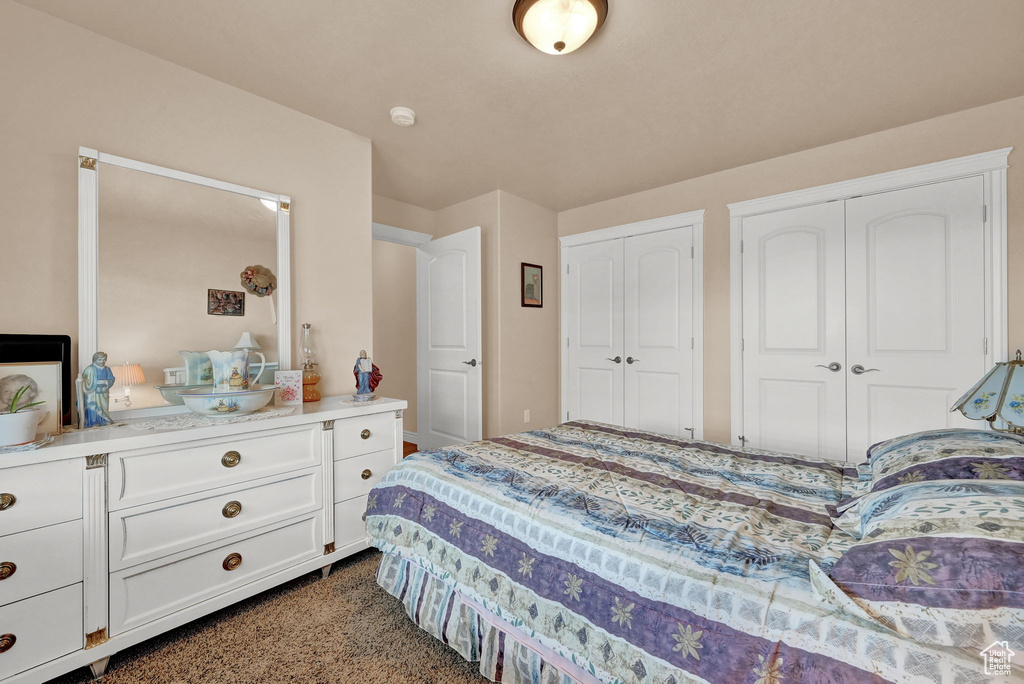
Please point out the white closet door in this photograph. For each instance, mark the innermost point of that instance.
(915, 308)
(794, 327)
(659, 328)
(593, 302)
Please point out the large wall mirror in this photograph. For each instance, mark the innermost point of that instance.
(161, 256)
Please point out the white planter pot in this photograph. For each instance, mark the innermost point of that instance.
(20, 427)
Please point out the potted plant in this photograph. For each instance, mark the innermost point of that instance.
(18, 425)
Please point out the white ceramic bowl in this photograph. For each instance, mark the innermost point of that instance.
(170, 392)
(213, 404)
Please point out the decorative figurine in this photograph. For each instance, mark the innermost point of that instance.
(367, 377)
(97, 380)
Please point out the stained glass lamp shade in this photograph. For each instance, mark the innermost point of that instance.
(997, 396)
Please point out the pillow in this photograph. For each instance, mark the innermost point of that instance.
(952, 454)
(939, 561)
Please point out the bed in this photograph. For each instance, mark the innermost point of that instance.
(593, 553)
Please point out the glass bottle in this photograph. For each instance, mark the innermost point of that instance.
(310, 374)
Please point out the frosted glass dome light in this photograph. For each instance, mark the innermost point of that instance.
(558, 27)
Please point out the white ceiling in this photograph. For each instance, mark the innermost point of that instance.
(667, 90)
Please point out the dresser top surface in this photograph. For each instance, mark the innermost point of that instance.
(105, 440)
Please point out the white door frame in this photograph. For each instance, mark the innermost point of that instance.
(990, 165)
(691, 218)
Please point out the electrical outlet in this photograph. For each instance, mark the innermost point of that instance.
(526, 416)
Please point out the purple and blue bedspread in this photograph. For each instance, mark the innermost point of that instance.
(644, 558)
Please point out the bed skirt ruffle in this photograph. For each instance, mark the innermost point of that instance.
(504, 652)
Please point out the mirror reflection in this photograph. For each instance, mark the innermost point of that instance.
(171, 258)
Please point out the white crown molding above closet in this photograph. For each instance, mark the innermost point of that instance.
(400, 236)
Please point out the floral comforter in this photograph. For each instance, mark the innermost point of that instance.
(645, 558)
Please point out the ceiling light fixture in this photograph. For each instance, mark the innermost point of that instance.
(558, 27)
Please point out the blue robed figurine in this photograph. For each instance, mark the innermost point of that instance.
(368, 376)
(97, 379)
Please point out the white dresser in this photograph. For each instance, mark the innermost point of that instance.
(110, 537)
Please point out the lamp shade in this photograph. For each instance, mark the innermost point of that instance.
(247, 341)
(997, 396)
(558, 27)
(128, 375)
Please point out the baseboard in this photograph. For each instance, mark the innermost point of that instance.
(411, 437)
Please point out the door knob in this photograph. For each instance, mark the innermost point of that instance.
(471, 362)
(835, 366)
(861, 370)
(630, 359)
(617, 359)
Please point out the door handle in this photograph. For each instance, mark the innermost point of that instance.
(861, 370)
(471, 362)
(617, 359)
(835, 366)
(630, 359)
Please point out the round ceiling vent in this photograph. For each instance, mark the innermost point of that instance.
(403, 116)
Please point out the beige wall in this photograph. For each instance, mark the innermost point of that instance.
(528, 336)
(64, 87)
(403, 215)
(394, 322)
(976, 130)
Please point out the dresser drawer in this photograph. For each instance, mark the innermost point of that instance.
(147, 592)
(363, 435)
(357, 476)
(349, 525)
(145, 533)
(41, 560)
(40, 494)
(44, 627)
(145, 475)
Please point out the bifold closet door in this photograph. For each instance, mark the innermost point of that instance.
(593, 303)
(794, 331)
(659, 329)
(915, 308)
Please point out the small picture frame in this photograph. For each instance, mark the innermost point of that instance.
(532, 285)
(289, 387)
(44, 379)
(225, 303)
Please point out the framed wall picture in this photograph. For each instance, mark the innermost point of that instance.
(23, 348)
(532, 285)
(225, 303)
(43, 379)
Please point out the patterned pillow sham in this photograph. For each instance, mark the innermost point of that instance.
(952, 454)
(941, 562)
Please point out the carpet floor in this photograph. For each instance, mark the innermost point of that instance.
(341, 629)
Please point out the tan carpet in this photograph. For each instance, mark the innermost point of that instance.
(342, 629)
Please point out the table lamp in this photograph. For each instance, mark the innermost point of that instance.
(127, 375)
(997, 396)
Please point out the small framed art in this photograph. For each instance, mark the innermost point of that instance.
(532, 285)
(43, 379)
(225, 303)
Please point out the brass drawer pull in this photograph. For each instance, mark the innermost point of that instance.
(231, 459)
(366, 474)
(231, 509)
(232, 562)
(6, 570)
(7, 500)
(365, 434)
(6, 642)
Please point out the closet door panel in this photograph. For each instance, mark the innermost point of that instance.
(794, 327)
(915, 307)
(593, 303)
(659, 327)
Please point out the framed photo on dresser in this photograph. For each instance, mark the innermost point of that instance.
(16, 348)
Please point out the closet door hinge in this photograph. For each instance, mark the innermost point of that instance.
(743, 346)
(741, 246)
(984, 213)
(691, 252)
(567, 269)
(985, 346)
(691, 343)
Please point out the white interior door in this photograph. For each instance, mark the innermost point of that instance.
(915, 308)
(658, 332)
(794, 331)
(448, 340)
(594, 327)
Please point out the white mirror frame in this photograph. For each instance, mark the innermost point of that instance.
(88, 254)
